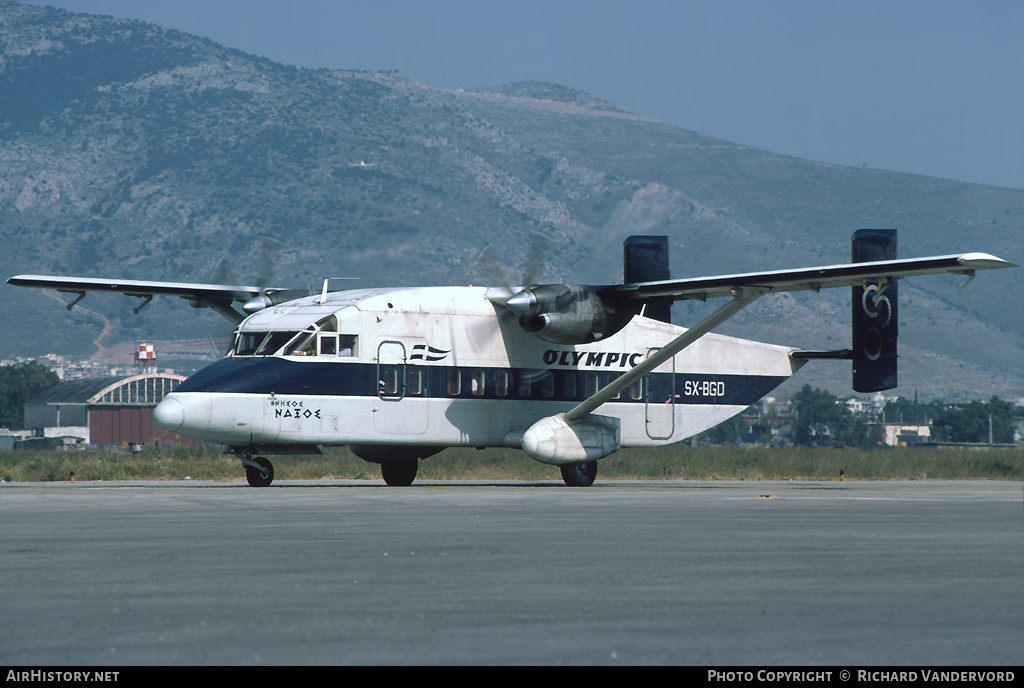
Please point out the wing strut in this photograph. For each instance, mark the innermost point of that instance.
(742, 297)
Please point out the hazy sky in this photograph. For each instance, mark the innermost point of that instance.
(933, 87)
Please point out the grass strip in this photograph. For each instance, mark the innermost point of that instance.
(661, 463)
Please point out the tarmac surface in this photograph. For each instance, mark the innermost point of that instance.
(634, 573)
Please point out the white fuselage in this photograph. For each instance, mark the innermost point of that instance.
(443, 366)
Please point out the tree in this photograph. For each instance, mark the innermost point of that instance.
(903, 410)
(726, 432)
(976, 422)
(18, 384)
(820, 418)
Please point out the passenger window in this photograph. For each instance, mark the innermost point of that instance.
(636, 390)
(501, 383)
(454, 382)
(569, 385)
(547, 385)
(523, 389)
(590, 385)
(389, 386)
(415, 380)
(478, 382)
(612, 378)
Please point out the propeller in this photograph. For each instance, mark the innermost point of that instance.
(536, 251)
(530, 299)
(220, 342)
(560, 313)
(497, 273)
(269, 250)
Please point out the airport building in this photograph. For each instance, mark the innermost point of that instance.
(907, 434)
(113, 411)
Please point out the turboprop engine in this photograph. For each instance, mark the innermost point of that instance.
(578, 314)
(567, 314)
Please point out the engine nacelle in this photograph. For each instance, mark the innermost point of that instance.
(567, 314)
(577, 314)
(273, 298)
(553, 440)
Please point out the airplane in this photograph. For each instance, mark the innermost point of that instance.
(568, 373)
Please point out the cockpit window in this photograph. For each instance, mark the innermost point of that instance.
(320, 339)
(273, 343)
(246, 343)
(304, 345)
(260, 343)
(328, 324)
(328, 344)
(349, 345)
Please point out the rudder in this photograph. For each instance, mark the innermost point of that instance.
(874, 316)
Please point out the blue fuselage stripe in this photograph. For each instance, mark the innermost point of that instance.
(273, 375)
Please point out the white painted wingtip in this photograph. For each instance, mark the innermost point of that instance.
(983, 261)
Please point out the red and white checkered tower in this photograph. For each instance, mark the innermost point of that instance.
(145, 357)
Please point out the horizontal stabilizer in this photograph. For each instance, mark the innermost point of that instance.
(838, 355)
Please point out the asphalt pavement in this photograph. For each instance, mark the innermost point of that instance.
(621, 573)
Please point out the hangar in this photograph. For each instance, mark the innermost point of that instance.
(114, 411)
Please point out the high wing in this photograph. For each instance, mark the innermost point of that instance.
(219, 297)
(804, 279)
(748, 287)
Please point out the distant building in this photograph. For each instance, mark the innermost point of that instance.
(907, 434)
(114, 411)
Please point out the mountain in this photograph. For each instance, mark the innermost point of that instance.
(129, 150)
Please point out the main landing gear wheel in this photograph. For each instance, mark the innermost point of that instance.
(260, 475)
(399, 472)
(579, 474)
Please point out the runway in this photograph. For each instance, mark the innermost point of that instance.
(622, 573)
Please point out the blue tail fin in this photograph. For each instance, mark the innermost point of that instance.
(874, 316)
(645, 259)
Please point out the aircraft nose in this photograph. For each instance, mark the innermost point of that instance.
(169, 414)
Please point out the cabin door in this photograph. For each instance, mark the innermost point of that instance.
(400, 406)
(660, 399)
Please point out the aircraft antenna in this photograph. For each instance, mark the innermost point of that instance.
(327, 281)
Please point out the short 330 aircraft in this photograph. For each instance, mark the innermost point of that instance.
(569, 373)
